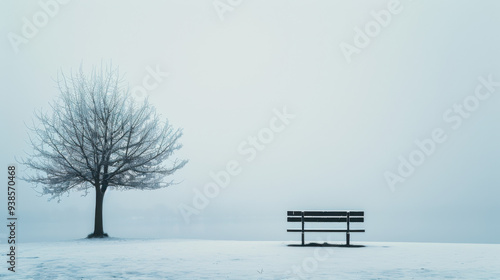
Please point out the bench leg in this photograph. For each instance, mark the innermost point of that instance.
(303, 221)
(347, 233)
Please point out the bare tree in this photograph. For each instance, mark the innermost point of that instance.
(96, 136)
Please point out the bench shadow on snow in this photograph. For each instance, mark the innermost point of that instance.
(326, 245)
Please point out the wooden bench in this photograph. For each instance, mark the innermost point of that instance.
(326, 217)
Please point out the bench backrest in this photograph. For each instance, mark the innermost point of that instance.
(326, 216)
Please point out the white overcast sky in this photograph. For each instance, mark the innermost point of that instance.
(228, 75)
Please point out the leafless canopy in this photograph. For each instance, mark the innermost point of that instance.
(97, 136)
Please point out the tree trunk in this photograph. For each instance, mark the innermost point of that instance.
(98, 225)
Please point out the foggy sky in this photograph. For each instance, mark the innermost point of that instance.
(230, 80)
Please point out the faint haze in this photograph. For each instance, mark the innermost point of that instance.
(225, 79)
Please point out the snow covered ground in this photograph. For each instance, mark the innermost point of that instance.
(201, 259)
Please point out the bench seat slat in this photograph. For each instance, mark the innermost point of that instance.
(325, 230)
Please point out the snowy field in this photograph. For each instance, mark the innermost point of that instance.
(200, 259)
